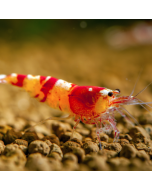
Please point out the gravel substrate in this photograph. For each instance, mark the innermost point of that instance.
(32, 150)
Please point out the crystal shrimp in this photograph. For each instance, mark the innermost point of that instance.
(88, 104)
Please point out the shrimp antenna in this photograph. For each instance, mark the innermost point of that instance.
(142, 90)
(136, 83)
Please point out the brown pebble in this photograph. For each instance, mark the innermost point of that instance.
(48, 142)
(143, 155)
(55, 164)
(139, 134)
(108, 153)
(139, 165)
(55, 148)
(10, 147)
(69, 165)
(128, 151)
(96, 163)
(112, 146)
(55, 155)
(37, 162)
(145, 119)
(90, 147)
(23, 148)
(142, 146)
(123, 142)
(39, 146)
(148, 128)
(60, 127)
(125, 136)
(11, 135)
(52, 138)
(80, 153)
(87, 139)
(67, 135)
(15, 155)
(30, 136)
(1, 136)
(70, 156)
(104, 137)
(2, 147)
(68, 146)
(21, 142)
(5, 128)
(117, 163)
(77, 141)
(83, 131)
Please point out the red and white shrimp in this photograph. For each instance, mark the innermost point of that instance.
(89, 104)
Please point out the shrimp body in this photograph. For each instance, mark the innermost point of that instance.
(89, 104)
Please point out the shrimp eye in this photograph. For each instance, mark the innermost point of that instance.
(118, 90)
(110, 94)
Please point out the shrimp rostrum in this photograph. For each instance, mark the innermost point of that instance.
(89, 104)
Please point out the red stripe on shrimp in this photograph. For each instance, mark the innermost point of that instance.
(42, 78)
(20, 80)
(47, 87)
(83, 99)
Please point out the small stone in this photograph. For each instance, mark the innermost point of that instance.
(125, 136)
(39, 146)
(143, 155)
(5, 128)
(55, 155)
(145, 119)
(139, 165)
(55, 164)
(128, 151)
(11, 135)
(30, 136)
(15, 155)
(2, 147)
(48, 142)
(141, 146)
(69, 165)
(68, 146)
(23, 148)
(124, 142)
(139, 134)
(67, 135)
(83, 131)
(77, 141)
(109, 153)
(117, 163)
(21, 142)
(37, 162)
(87, 139)
(9, 148)
(96, 163)
(55, 148)
(60, 127)
(148, 128)
(104, 137)
(52, 138)
(80, 153)
(113, 146)
(90, 147)
(70, 156)
(1, 136)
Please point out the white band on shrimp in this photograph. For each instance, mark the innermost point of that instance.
(63, 84)
(2, 78)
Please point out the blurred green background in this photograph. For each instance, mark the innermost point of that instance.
(27, 29)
